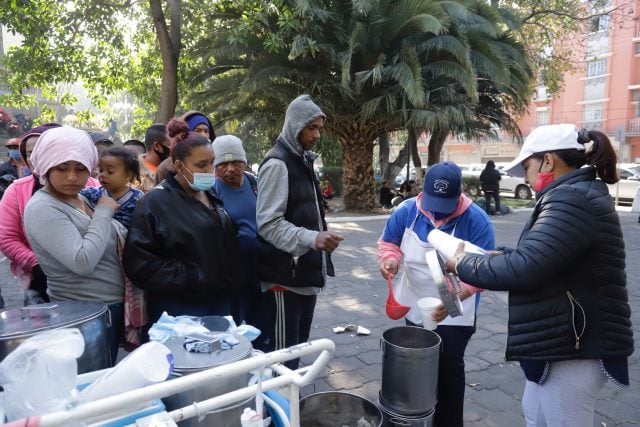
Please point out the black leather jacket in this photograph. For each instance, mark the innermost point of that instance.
(180, 251)
(567, 280)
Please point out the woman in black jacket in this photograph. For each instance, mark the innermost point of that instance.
(569, 316)
(182, 246)
(490, 183)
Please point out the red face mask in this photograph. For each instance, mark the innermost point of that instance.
(543, 180)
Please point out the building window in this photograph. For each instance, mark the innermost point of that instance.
(593, 112)
(599, 23)
(637, 109)
(596, 68)
(637, 48)
(542, 117)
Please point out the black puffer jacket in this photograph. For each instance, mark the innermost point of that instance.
(570, 259)
(182, 253)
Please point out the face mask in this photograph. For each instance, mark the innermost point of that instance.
(439, 215)
(14, 155)
(162, 154)
(202, 181)
(543, 180)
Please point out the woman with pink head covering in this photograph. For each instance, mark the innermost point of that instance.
(13, 237)
(75, 244)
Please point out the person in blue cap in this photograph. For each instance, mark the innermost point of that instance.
(441, 205)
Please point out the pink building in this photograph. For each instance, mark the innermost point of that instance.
(604, 93)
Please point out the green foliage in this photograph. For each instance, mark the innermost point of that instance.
(334, 175)
(330, 150)
(471, 186)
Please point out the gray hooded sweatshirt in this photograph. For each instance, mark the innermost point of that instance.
(273, 194)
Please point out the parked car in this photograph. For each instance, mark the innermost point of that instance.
(625, 189)
(508, 184)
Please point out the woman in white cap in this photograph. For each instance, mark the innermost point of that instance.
(569, 316)
(75, 244)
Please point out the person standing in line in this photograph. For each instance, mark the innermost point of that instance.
(182, 247)
(490, 184)
(157, 143)
(440, 206)
(76, 245)
(569, 316)
(294, 245)
(386, 195)
(238, 190)
(198, 123)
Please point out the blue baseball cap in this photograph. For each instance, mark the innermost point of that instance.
(442, 187)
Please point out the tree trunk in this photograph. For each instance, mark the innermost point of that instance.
(438, 136)
(357, 179)
(169, 41)
(383, 145)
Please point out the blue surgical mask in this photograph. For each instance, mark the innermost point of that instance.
(14, 155)
(202, 181)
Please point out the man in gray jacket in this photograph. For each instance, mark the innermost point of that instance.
(294, 245)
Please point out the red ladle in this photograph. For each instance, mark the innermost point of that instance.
(395, 310)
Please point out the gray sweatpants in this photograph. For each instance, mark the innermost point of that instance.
(567, 397)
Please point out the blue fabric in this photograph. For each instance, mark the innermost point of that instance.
(240, 204)
(473, 225)
(127, 202)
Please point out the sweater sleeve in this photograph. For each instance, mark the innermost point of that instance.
(561, 233)
(13, 242)
(271, 206)
(49, 225)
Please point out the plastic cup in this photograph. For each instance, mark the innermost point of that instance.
(427, 306)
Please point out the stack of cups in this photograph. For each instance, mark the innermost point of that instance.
(427, 306)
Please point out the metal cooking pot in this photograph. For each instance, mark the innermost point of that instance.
(186, 363)
(91, 318)
(336, 408)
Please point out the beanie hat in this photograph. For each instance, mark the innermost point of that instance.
(228, 148)
(195, 120)
(442, 188)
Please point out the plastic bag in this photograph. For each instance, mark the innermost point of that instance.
(174, 326)
(39, 376)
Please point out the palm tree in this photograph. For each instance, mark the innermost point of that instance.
(373, 67)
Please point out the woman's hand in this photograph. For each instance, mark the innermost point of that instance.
(389, 267)
(109, 202)
(453, 261)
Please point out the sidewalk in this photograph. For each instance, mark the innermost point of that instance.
(357, 295)
(494, 387)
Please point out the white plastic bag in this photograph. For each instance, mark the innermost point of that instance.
(39, 376)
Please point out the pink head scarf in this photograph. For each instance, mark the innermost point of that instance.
(63, 144)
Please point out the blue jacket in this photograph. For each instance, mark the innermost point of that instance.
(473, 225)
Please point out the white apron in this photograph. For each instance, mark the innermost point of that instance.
(416, 282)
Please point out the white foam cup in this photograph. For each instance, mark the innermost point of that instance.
(427, 305)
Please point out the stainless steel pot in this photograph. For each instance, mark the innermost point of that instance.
(186, 363)
(91, 318)
(335, 408)
(410, 357)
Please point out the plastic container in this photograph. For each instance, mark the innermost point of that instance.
(250, 418)
(149, 364)
(427, 306)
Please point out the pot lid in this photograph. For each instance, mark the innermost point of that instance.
(41, 317)
(186, 362)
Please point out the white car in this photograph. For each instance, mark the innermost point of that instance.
(625, 189)
(508, 184)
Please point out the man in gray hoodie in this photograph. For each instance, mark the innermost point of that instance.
(294, 245)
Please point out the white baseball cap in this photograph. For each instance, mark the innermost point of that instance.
(542, 140)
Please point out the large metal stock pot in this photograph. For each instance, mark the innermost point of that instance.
(91, 318)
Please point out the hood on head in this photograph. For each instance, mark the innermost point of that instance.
(300, 112)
